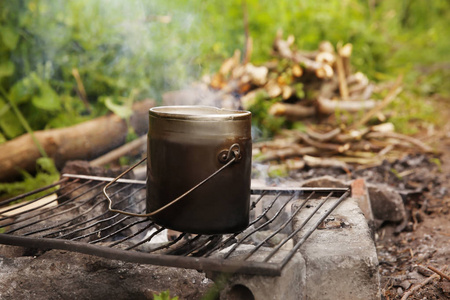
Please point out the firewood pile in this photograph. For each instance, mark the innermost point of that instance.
(313, 87)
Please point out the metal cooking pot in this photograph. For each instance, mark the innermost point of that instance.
(198, 169)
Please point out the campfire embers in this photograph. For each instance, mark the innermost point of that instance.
(78, 220)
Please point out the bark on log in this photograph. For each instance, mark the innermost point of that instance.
(293, 112)
(327, 106)
(85, 141)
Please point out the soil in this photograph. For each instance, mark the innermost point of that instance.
(425, 240)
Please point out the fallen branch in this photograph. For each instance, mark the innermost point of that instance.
(80, 89)
(440, 273)
(119, 152)
(292, 111)
(280, 154)
(327, 106)
(315, 162)
(343, 88)
(351, 136)
(323, 137)
(277, 143)
(282, 47)
(415, 142)
(395, 90)
(420, 285)
(82, 141)
(324, 146)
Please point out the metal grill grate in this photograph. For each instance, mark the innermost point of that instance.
(72, 215)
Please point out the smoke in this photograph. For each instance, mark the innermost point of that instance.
(119, 46)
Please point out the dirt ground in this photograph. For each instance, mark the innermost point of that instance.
(425, 241)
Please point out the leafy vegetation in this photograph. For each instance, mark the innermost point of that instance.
(164, 296)
(46, 174)
(136, 49)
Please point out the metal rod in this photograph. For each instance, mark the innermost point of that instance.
(132, 236)
(198, 263)
(121, 229)
(146, 239)
(54, 215)
(193, 253)
(167, 245)
(307, 234)
(261, 226)
(231, 237)
(271, 254)
(256, 190)
(185, 245)
(7, 201)
(44, 211)
(251, 252)
(65, 229)
(104, 179)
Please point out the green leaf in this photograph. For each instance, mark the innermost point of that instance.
(22, 90)
(10, 125)
(164, 296)
(9, 36)
(46, 165)
(48, 99)
(122, 111)
(6, 69)
(2, 138)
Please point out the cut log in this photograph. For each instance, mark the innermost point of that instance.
(323, 146)
(315, 162)
(133, 146)
(327, 106)
(283, 49)
(401, 137)
(293, 112)
(323, 137)
(84, 141)
(294, 150)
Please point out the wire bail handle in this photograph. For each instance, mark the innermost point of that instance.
(233, 154)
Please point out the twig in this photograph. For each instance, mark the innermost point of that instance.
(119, 152)
(280, 154)
(24, 122)
(395, 90)
(327, 106)
(440, 273)
(323, 137)
(80, 89)
(401, 137)
(292, 111)
(248, 40)
(420, 285)
(325, 146)
(341, 75)
(313, 161)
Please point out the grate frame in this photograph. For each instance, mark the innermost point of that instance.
(218, 253)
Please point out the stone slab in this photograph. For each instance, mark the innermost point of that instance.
(341, 261)
(290, 285)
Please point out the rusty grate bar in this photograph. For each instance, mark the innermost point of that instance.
(72, 215)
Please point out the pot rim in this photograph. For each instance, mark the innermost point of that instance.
(198, 113)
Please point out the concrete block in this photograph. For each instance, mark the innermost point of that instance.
(290, 285)
(341, 261)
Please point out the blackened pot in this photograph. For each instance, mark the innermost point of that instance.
(186, 145)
